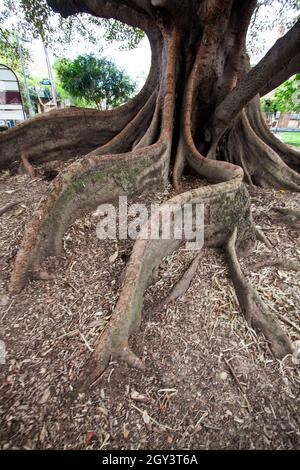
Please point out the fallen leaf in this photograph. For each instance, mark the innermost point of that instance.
(136, 396)
(89, 437)
(113, 257)
(146, 417)
(46, 396)
(125, 432)
(19, 212)
(43, 434)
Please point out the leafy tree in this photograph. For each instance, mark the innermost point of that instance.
(9, 54)
(96, 80)
(286, 97)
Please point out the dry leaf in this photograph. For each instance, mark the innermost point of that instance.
(45, 396)
(146, 417)
(136, 396)
(19, 212)
(43, 434)
(125, 432)
(113, 257)
(89, 437)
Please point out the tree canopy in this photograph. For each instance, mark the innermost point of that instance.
(34, 19)
(286, 97)
(96, 80)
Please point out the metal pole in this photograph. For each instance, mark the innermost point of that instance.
(31, 112)
(50, 75)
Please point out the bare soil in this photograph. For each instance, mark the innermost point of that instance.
(211, 382)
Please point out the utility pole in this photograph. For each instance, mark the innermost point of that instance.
(31, 113)
(50, 75)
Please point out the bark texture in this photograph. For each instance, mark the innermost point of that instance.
(198, 112)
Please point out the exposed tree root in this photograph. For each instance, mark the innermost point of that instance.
(9, 206)
(290, 323)
(86, 184)
(289, 217)
(255, 311)
(74, 132)
(94, 180)
(129, 151)
(262, 165)
(291, 156)
(262, 237)
(281, 263)
(29, 170)
(224, 204)
(123, 142)
(151, 135)
(181, 286)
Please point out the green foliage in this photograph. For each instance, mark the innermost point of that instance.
(97, 81)
(268, 105)
(286, 98)
(268, 15)
(33, 19)
(128, 37)
(36, 20)
(9, 50)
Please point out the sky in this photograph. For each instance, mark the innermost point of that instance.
(137, 62)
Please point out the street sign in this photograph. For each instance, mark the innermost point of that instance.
(11, 106)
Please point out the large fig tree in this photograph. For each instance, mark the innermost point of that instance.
(199, 112)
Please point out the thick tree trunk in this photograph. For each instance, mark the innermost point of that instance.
(198, 112)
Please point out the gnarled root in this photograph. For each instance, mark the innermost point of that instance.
(82, 187)
(282, 263)
(224, 204)
(290, 155)
(288, 216)
(181, 286)
(255, 311)
(62, 134)
(262, 165)
(28, 168)
(262, 237)
(74, 132)
(94, 180)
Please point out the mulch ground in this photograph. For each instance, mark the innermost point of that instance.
(211, 382)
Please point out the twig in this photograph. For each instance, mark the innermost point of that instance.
(86, 343)
(262, 237)
(231, 370)
(9, 206)
(289, 322)
(152, 419)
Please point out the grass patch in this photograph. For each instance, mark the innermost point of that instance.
(290, 138)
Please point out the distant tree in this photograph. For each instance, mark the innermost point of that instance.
(96, 80)
(9, 54)
(286, 97)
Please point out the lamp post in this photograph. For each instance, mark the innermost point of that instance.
(50, 75)
(31, 112)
